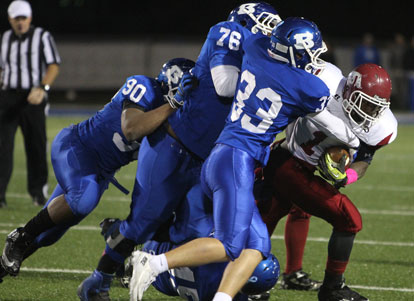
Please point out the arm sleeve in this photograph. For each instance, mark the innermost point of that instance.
(225, 78)
(365, 153)
(50, 51)
(333, 126)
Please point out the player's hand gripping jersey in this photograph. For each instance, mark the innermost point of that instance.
(102, 132)
(199, 122)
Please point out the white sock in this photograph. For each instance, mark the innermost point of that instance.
(219, 296)
(158, 263)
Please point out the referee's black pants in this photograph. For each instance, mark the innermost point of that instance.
(16, 111)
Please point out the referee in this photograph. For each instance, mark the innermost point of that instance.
(29, 64)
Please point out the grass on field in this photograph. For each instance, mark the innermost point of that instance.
(382, 261)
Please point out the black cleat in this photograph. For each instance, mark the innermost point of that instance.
(261, 297)
(299, 280)
(13, 253)
(339, 293)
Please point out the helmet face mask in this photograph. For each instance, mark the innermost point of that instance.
(257, 17)
(298, 42)
(366, 95)
(171, 73)
(316, 64)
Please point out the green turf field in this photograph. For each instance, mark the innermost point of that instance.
(382, 261)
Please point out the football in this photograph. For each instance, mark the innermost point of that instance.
(336, 153)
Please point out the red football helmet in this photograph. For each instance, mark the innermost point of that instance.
(366, 94)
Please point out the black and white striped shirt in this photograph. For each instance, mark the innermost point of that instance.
(24, 59)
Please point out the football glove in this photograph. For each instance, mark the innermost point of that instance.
(333, 172)
(188, 82)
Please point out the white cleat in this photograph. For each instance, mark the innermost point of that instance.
(142, 275)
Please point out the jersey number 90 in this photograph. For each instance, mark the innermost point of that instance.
(134, 91)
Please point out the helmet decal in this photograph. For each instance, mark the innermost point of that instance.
(304, 40)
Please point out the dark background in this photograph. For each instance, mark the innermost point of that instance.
(336, 19)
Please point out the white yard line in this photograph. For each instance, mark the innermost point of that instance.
(386, 212)
(67, 271)
(47, 270)
(315, 239)
(362, 242)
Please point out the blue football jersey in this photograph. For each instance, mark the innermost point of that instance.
(102, 132)
(269, 96)
(191, 284)
(199, 122)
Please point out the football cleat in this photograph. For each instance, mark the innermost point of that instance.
(299, 280)
(260, 297)
(13, 253)
(339, 293)
(95, 287)
(142, 275)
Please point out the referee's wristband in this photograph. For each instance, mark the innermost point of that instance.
(46, 88)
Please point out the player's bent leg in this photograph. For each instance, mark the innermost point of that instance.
(67, 210)
(242, 268)
(118, 248)
(296, 232)
(165, 174)
(227, 177)
(20, 243)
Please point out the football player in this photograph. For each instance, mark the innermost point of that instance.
(170, 159)
(362, 101)
(201, 283)
(86, 156)
(264, 105)
(192, 219)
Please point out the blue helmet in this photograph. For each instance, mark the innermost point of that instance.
(298, 41)
(171, 73)
(255, 16)
(264, 276)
